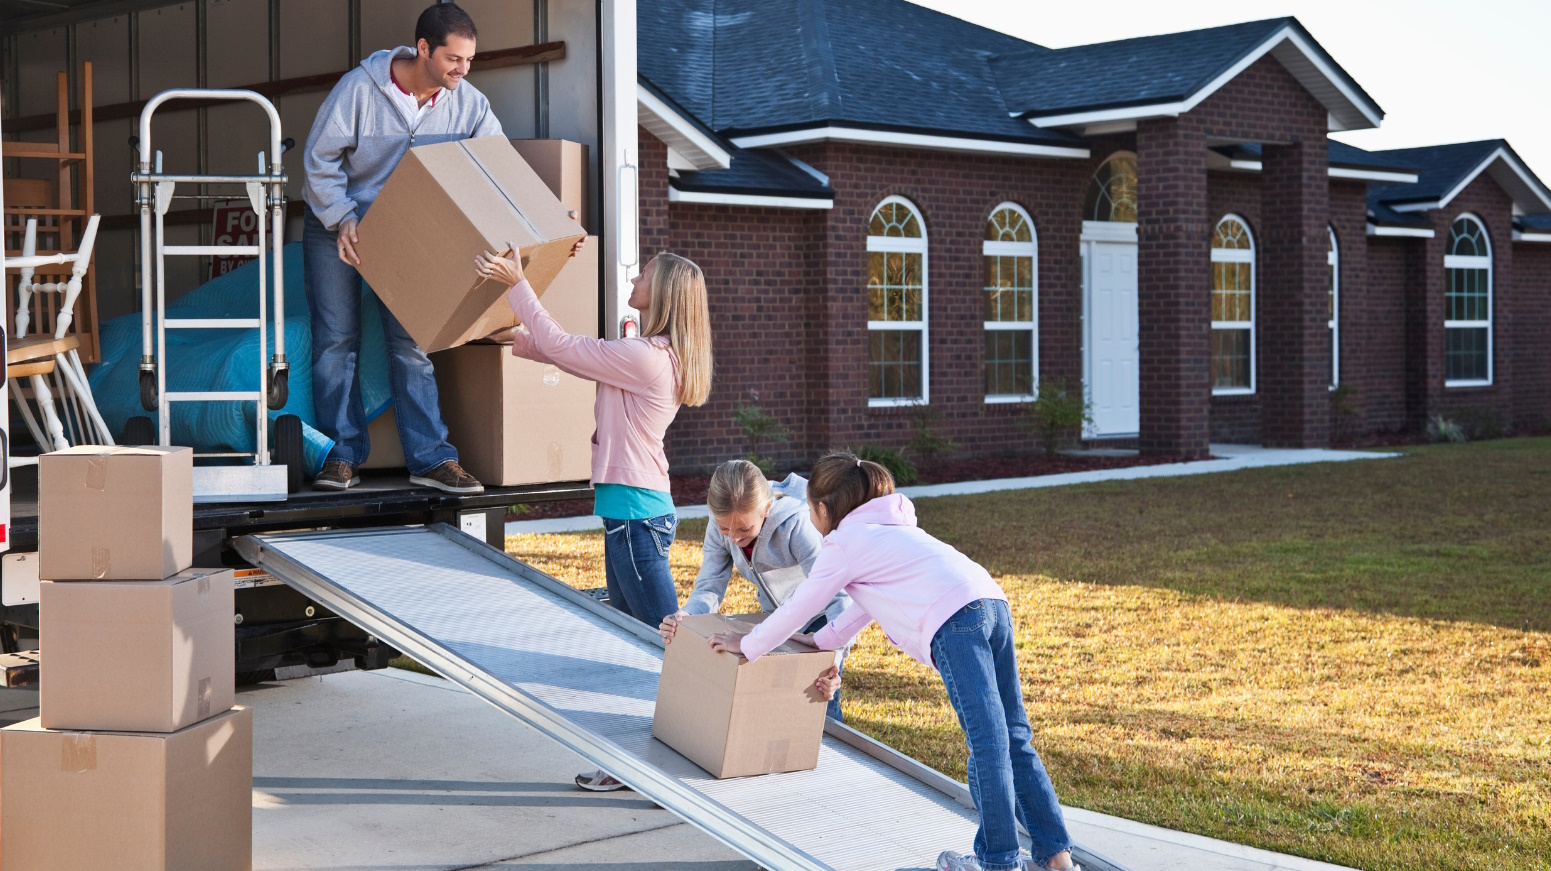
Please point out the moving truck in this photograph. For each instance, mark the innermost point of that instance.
(552, 69)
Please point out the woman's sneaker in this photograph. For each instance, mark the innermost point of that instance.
(949, 860)
(598, 781)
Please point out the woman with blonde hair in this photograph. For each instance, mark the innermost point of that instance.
(642, 381)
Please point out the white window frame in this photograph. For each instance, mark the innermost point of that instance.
(1333, 260)
(1237, 255)
(1463, 261)
(890, 244)
(1030, 250)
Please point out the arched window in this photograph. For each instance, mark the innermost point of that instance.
(1467, 324)
(896, 305)
(1112, 192)
(1233, 307)
(1010, 255)
(1333, 258)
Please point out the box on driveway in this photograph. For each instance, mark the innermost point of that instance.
(444, 204)
(129, 801)
(137, 656)
(733, 717)
(115, 513)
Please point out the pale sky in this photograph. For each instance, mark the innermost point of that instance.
(1442, 70)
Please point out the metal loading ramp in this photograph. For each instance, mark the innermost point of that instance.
(586, 676)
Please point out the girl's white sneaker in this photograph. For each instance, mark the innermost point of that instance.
(948, 860)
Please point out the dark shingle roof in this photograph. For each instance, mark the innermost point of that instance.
(1342, 154)
(1339, 154)
(1541, 222)
(1441, 167)
(1127, 72)
(747, 66)
(756, 172)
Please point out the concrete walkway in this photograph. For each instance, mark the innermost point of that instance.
(396, 771)
(1226, 458)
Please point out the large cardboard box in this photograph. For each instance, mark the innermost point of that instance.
(129, 801)
(115, 513)
(562, 164)
(444, 204)
(135, 656)
(733, 717)
(515, 421)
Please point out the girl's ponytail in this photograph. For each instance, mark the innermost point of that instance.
(842, 482)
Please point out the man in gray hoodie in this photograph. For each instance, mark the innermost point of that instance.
(395, 99)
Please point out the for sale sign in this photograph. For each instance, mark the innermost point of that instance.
(234, 225)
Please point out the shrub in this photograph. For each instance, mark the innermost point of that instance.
(1057, 414)
(1343, 412)
(901, 468)
(1480, 422)
(1441, 429)
(926, 443)
(759, 428)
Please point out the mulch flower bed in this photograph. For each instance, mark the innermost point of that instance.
(691, 489)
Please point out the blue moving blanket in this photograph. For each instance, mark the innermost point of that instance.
(228, 359)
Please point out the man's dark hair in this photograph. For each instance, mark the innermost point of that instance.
(440, 21)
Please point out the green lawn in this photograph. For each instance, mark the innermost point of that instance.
(1350, 662)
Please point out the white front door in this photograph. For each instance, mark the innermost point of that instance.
(1111, 350)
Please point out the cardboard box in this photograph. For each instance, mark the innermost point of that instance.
(733, 717)
(115, 513)
(137, 656)
(562, 164)
(515, 421)
(129, 801)
(444, 204)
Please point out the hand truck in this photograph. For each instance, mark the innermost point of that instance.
(269, 478)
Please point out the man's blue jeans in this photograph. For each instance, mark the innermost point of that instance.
(635, 567)
(334, 295)
(974, 652)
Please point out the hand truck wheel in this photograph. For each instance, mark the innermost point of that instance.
(289, 450)
(139, 430)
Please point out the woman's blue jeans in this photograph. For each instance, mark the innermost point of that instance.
(635, 567)
(975, 654)
(334, 296)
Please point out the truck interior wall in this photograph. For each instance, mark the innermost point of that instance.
(227, 43)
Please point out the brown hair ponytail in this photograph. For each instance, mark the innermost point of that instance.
(842, 483)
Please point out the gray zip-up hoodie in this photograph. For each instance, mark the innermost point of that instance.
(784, 551)
(362, 132)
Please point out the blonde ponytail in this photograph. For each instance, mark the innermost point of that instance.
(680, 310)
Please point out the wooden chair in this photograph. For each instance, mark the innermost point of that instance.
(38, 356)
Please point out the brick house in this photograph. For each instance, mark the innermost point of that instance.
(897, 207)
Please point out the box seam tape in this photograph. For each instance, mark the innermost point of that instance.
(532, 228)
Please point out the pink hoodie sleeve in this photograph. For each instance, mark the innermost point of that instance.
(830, 574)
(631, 366)
(523, 346)
(838, 632)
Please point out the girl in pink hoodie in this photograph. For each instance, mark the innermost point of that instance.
(944, 610)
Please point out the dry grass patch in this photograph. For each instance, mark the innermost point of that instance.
(1350, 662)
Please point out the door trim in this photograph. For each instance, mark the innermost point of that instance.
(1126, 233)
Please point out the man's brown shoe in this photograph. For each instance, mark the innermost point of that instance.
(336, 475)
(449, 477)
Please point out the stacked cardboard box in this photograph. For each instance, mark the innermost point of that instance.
(139, 758)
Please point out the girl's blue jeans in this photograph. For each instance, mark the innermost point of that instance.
(635, 567)
(975, 654)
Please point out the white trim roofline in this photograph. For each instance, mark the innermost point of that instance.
(858, 135)
(1349, 112)
(1516, 180)
(1341, 172)
(1406, 232)
(1379, 175)
(720, 199)
(1520, 173)
(678, 132)
(1531, 236)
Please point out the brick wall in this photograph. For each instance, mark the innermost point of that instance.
(1488, 202)
(1532, 335)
